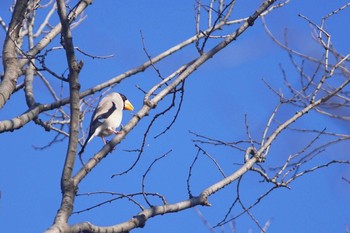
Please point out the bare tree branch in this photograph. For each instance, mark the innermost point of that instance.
(9, 56)
(68, 187)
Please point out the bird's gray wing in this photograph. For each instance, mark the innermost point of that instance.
(101, 113)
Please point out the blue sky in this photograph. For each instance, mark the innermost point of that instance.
(217, 98)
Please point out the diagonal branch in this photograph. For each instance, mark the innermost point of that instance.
(10, 61)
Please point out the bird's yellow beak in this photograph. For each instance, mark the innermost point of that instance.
(128, 105)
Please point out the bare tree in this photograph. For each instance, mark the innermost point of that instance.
(29, 43)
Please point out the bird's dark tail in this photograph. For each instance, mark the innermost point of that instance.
(82, 151)
(85, 143)
(82, 148)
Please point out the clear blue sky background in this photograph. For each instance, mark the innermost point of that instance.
(217, 97)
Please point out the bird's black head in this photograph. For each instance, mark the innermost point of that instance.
(127, 104)
(123, 97)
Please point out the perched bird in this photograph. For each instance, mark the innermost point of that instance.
(107, 116)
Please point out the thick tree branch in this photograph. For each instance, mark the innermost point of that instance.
(67, 186)
(11, 67)
(140, 219)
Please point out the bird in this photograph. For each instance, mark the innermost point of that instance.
(107, 117)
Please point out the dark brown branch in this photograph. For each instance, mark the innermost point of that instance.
(217, 142)
(212, 159)
(144, 194)
(190, 174)
(245, 209)
(182, 89)
(145, 136)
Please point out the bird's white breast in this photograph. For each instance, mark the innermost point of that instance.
(110, 124)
